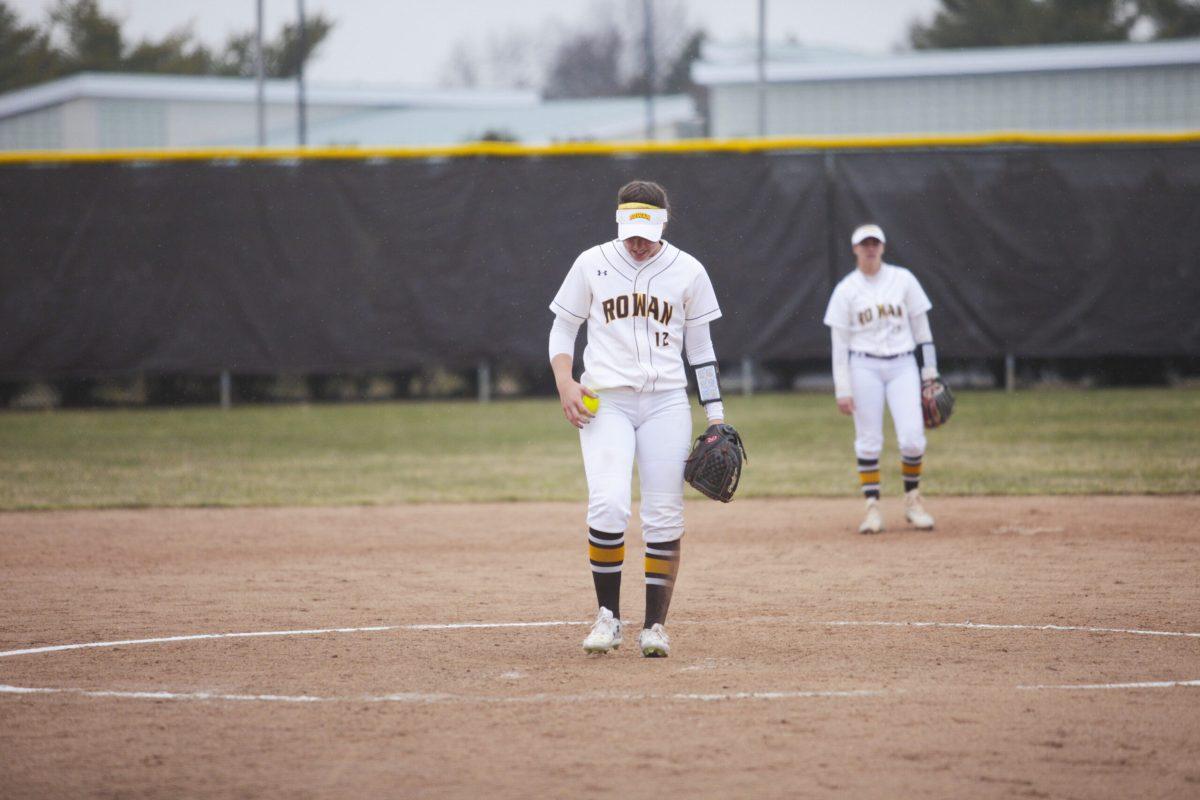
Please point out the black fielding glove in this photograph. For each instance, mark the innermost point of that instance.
(715, 465)
(937, 402)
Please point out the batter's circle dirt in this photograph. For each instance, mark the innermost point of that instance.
(758, 698)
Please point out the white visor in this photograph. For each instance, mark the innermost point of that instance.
(645, 222)
(867, 232)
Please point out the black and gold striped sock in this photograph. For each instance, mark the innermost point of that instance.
(868, 476)
(606, 551)
(911, 467)
(662, 565)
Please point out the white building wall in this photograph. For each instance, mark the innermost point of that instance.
(80, 128)
(192, 124)
(1141, 99)
(108, 123)
(130, 123)
(37, 130)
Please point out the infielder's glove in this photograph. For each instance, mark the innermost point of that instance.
(937, 403)
(715, 465)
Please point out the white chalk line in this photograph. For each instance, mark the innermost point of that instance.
(419, 697)
(303, 632)
(1135, 685)
(1024, 531)
(442, 697)
(991, 626)
(559, 623)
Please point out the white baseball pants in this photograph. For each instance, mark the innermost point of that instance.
(897, 382)
(656, 429)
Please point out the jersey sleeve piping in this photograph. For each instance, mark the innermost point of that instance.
(556, 308)
(921, 308)
(707, 316)
(830, 319)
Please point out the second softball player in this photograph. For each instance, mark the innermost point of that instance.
(882, 350)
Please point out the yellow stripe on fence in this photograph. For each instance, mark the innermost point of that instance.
(510, 150)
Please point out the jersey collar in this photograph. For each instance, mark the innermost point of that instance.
(878, 278)
(621, 252)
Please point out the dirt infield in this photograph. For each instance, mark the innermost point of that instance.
(796, 669)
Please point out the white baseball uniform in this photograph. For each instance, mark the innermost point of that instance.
(637, 315)
(873, 318)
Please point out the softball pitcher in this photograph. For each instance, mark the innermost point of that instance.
(646, 303)
(882, 350)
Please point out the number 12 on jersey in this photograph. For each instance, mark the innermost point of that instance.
(660, 338)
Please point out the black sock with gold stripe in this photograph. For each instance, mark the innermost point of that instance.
(910, 467)
(606, 551)
(868, 477)
(662, 565)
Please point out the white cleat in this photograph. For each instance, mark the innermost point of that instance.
(605, 635)
(873, 521)
(915, 513)
(654, 642)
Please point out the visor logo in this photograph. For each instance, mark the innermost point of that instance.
(640, 215)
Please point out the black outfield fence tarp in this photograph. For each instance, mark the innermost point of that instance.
(323, 265)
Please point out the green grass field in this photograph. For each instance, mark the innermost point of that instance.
(1035, 442)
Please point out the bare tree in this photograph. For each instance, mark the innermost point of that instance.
(462, 68)
(587, 64)
(516, 60)
(602, 53)
(671, 35)
(508, 60)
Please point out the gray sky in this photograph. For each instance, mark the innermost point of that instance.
(408, 42)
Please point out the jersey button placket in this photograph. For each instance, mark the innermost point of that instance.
(651, 342)
(642, 364)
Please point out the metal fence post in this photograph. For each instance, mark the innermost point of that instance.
(226, 390)
(747, 375)
(1010, 372)
(483, 376)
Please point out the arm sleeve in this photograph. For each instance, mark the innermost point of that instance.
(574, 298)
(562, 336)
(697, 342)
(841, 362)
(923, 336)
(700, 304)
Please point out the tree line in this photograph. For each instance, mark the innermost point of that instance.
(1001, 23)
(602, 54)
(78, 36)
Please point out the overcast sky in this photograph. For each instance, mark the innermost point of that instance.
(408, 42)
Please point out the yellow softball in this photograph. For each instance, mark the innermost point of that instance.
(592, 404)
